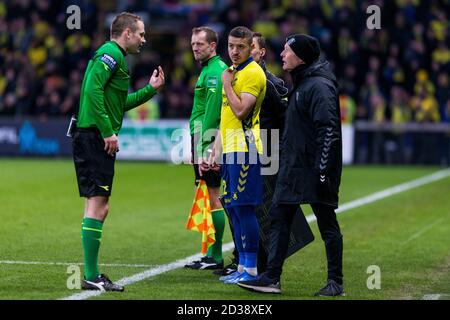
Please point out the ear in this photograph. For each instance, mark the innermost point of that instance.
(127, 33)
(263, 52)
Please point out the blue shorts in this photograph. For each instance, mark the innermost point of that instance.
(242, 182)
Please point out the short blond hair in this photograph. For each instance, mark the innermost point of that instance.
(122, 21)
(211, 35)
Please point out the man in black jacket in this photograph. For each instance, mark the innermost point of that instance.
(272, 114)
(310, 164)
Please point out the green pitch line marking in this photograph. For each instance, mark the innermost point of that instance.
(439, 175)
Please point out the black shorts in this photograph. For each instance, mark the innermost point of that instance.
(212, 178)
(94, 167)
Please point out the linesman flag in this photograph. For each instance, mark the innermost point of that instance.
(200, 218)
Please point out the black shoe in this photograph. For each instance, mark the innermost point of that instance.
(195, 262)
(262, 284)
(229, 269)
(332, 289)
(101, 283)
(205, 263)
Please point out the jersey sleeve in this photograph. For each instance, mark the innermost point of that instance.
(253, 82)
(213, 103)
(103, 67)
(138, 97)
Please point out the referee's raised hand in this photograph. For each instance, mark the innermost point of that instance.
(157, 79)
(111, 145)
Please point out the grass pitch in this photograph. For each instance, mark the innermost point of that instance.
(405, 235)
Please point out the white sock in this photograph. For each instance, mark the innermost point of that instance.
(252, 271)
(240, 268)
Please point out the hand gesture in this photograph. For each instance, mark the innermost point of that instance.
(157, 79)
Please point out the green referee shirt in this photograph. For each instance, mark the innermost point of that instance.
(104, 92)
(207, 100)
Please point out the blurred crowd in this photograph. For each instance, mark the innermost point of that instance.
(399, 73)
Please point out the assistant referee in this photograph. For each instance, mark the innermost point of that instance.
(103, 100)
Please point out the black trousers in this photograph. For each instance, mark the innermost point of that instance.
(282, 215)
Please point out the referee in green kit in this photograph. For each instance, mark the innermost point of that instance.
(204, 123)
(103, 100)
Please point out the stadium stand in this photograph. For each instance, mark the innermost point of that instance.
(398, 74)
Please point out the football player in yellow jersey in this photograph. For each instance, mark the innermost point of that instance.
(244, 88)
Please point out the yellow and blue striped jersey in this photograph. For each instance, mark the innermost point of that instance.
(249, 78)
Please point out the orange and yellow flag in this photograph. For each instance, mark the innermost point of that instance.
(200, 218)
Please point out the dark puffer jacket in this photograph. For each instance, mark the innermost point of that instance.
(311, 150)
(273, 109)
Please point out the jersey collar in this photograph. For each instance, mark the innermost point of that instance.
(121, 49)
(204, 64)
(244, 64)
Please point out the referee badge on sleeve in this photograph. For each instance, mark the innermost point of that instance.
(108, 61)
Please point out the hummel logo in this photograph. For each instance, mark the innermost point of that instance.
(322, 178)
(106, 188)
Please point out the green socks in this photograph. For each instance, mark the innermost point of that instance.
(91, 236)
(215, 250)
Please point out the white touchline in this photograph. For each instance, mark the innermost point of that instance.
(435, 296)
(311, 218)
(145, 274)
(45, 263)
(423, 230)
